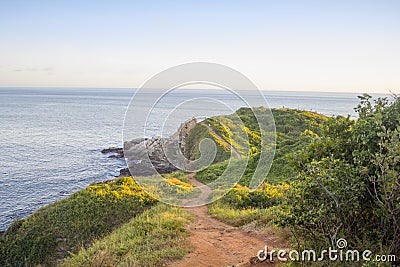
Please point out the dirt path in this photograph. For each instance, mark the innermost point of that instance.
(215, 243)
(233, 149)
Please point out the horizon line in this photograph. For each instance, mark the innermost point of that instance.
(389, 91)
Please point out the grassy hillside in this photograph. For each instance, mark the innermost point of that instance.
(295, 130)
(198, 133)
(150, 239)
(67, 225)
(53, 232)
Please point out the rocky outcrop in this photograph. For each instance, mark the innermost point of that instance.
(157, 154)
(116, 152)
(148, 156)
(124, 172)
(183, 132)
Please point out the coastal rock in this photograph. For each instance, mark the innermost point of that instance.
(129, 144)
(149, 156)
(124, 172)
(118, 152)
(112, 150)
(183, 132)
(116, 156)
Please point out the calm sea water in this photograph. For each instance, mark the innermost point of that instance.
(51, 139)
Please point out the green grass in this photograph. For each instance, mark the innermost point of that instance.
(170, 188)
(150, 239)
(256, 218)
(198, 133)
(295, 130)
(180, 175)
(241, 206)
(235, 216)
(50, 233)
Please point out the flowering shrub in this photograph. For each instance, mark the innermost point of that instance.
(266, 196)
(125, 187)
(175, 181)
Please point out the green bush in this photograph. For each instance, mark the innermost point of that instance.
(348, 183)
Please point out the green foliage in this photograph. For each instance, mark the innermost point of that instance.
(241, 206)
(171, 188)
(234, 216)
(265, 196)
(211, 173)
(180, 175)
(348, 182)
(150, 239)
(65, 226)
(198, 133)
(295, 130)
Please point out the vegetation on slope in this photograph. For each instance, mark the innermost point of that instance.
(150, 239)
(240, 206)
(53, 232)
(295, 130)
(348, 183)
(198, 133)
(345, 184)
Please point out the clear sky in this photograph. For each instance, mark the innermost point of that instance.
(347, 46)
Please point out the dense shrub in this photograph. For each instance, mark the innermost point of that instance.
(348, 183)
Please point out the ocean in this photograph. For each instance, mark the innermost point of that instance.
(51, 138)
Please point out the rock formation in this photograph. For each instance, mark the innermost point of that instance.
(148, 156)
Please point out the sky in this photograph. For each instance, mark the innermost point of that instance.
(335, 46)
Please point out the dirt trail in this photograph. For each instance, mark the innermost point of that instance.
(215, 243)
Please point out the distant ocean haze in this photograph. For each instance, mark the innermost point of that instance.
(51, 138)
